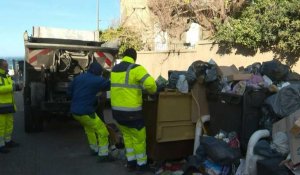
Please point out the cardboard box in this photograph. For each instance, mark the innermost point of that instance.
(236, 77)
(232, 73)
(294, 168)
(296, 128)
(199, 100)
(285, 125)
(228, 70)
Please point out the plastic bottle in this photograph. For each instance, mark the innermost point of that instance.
(182, 84)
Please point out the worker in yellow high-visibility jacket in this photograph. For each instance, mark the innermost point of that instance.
(7, 108)
(128, 80)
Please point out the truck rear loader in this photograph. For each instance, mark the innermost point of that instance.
(53, 57)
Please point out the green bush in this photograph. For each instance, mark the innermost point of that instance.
(128, 38)
(269, 25)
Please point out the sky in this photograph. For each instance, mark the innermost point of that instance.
(17, 16)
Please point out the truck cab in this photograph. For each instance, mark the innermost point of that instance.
(53, 57)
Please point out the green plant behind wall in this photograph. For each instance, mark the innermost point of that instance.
(128, 38)
(268, 25)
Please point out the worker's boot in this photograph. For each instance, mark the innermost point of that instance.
(11, 144)
(4, 150)
(131, 165)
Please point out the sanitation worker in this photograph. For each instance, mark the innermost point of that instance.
(7, 108)
(128, 80)
(83, 91)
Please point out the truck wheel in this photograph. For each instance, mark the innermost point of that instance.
(33, 118)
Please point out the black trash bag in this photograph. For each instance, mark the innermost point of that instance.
(293, 76)
(207, 70)
(254, 68)
(200, 153)
(192, 163)
(174, 76)
(286, 101)
(161, 83)
(268, 117)
(219, 151)
(263, 148)
(211, 74)
(275, 70)
(199, 68)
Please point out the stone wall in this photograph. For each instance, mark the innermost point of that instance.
(158, 63)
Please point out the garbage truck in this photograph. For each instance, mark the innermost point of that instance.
(53, 57)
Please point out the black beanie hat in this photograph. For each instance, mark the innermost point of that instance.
(130, 52)
(95, 68)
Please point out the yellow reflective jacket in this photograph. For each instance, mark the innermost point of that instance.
(127, 82)
(6, 89)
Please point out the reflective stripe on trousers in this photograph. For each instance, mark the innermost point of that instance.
(135, 143)
(94, 148)
(95, 131)
(6, 128)
(130, 154)
(127, 109)
(103, 150)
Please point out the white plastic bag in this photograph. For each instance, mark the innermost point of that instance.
(182, 84)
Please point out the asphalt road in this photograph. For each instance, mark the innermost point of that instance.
(61, 149)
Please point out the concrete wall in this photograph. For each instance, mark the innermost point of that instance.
(135, 13)
(158, 63)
